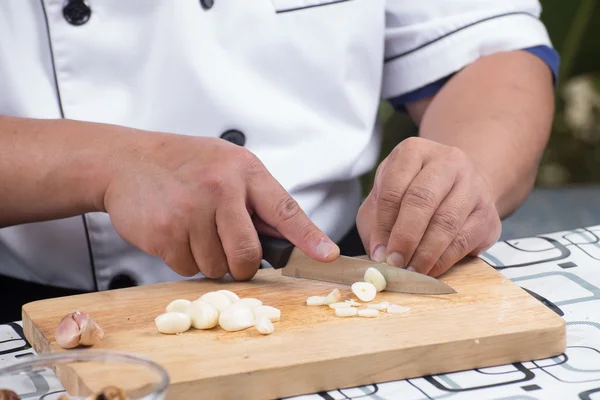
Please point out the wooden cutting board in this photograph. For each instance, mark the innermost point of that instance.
(490, 321)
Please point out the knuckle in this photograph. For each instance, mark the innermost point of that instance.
(214, 183)
(447, 220)
(410, 144)
(287, 209)
(462, 243)
(420, 197)
(245, 253)
(455, 155)
(389, 198)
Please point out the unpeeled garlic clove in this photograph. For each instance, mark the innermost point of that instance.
(78, 329)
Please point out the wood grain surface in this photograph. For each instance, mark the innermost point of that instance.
(490, 321)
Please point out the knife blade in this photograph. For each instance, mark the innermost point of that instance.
(281, 254)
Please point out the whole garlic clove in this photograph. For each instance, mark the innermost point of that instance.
(264, 325)
(179, 305)
(76, 329)
(251, 302)
(203, 315)
(217, 300)
(274, 314)
(236, 319)
(374, 276)
(230, 295)
(173, 322)
(365, 291)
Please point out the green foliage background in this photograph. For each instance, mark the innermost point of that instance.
(572, 155)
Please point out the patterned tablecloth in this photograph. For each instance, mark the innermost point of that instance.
(562, 269)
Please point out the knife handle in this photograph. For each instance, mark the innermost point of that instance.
(276, 251)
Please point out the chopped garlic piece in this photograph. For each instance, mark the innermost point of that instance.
(340, 305)
(353, 303)
(315, 301)
(368, 313)
(395, 309)
(333, 297)
(374, 276)
(365, 291)
(379, 306)
(346, 312)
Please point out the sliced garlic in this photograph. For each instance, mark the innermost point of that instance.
(203, 315)
(230, 295)
(173, 322)
(179, 305)
(250, 302)
(346, 312)
(315, 301)
(264, 325)
(374, 276)
(340, 305)
(353, 303)
(216, 299)
(236, 319)
(274, 314)
(334, 297)
(368, 313)
(365, 291)
(379, 306)
(395, 309)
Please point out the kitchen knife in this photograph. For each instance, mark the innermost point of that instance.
(281, 254)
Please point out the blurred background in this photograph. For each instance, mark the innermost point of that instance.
(567, 192)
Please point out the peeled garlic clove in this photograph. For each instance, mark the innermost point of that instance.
(374, 276)
(368, 313)
(353, 303)
(365, 291)
(203, 315)
(236, 319)
(270, 312)
(264, 325)
(315, 301)
(179, 305)
(346, 312)
(395, 309)
(230, 295)
(216, 299)
(78, 328)
(173, 322)
(379, 306)
(334, 297)
(340, 305)
(250, 302)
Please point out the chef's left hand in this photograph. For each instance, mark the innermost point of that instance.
(429, 208)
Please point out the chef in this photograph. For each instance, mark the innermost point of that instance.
(149, 141)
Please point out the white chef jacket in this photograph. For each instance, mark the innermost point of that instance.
(297, 82)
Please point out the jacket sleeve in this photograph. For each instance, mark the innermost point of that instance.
(428, 41)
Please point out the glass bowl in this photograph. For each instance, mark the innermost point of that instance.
(81, 374)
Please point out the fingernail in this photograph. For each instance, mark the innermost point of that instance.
(325, 248)
(379, 254)
(396, 260)
(411, 269)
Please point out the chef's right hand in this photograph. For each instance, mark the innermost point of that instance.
(197, 202)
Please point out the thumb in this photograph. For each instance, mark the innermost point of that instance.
(279, 210)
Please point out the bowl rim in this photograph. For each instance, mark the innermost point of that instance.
(46, 359)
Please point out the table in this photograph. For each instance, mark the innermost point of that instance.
(562, 269)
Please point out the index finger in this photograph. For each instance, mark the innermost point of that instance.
(273, 205)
